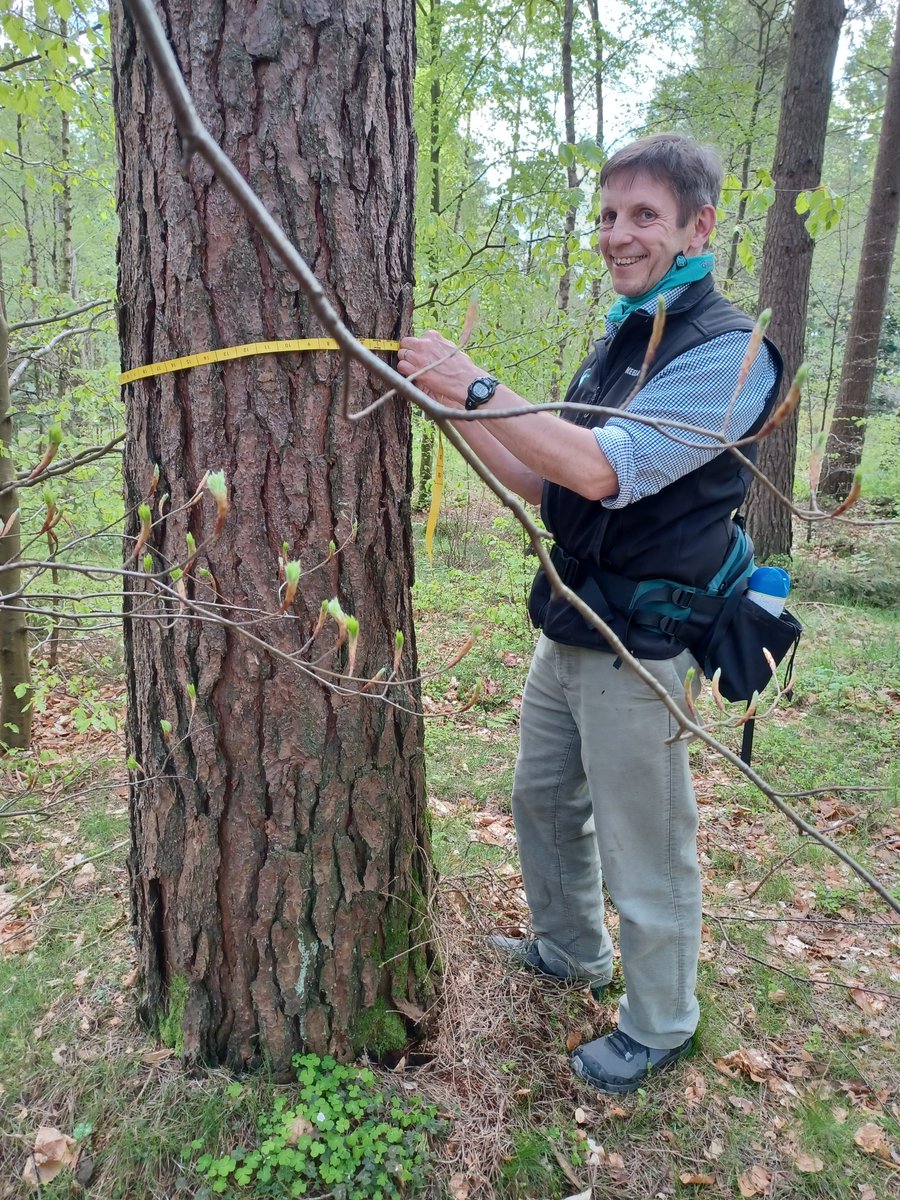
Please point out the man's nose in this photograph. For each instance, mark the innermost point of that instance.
(620, 231)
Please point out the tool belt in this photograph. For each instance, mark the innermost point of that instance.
(722, 628)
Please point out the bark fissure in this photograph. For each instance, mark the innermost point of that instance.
(297, 874)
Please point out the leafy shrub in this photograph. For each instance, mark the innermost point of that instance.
(342, 1135)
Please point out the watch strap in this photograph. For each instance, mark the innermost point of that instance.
(480, 391)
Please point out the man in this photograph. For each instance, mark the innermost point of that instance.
(597, 780)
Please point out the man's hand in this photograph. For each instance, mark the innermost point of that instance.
(446, 370)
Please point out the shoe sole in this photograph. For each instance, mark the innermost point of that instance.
(621, 1089)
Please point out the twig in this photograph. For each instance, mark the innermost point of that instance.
(61, 317)
(65, 871)
(834, 983)
(788, 920)
(796, 850)
(821, 1024)
(37, 355)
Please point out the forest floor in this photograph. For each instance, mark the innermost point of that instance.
(794, 1088)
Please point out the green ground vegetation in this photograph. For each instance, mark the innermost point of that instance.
(792, 1088)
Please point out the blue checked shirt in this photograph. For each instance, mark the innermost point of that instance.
(695, 388)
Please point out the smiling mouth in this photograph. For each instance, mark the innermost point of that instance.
(629, 262)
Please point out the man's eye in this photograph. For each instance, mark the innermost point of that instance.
(607, 218)
(648, 214)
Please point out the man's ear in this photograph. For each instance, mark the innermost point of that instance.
(702, 226)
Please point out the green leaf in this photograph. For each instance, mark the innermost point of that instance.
(745, 254)
(58, 55)
(566, 154)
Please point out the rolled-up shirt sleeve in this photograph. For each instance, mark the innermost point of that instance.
(696, 388)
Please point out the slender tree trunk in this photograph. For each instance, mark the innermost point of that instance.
(15, 672)
(68, 357)
(426, 440)
(763, 44)
(599, 137)
(27, 219)
(279, 864)
(572, 181)
(788, 248)
(426, 465)
(843, 450)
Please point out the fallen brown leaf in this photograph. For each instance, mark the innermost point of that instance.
(459, 1187)
(85, 878)
(746, 1061)
(696, 1088)
(809, 1164)
(872, 1006)
(53, 1151)
(872, 1139)
(573, 1040)
(154, 1057)
(688, 1177)
(295, 1129)
(754, 1182)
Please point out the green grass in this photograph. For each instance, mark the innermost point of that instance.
(93, 1067)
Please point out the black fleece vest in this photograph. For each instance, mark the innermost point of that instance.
(682, 532)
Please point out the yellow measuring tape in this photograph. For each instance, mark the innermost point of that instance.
(282, 347)
(231, 352)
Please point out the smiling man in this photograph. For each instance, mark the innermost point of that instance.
(601, 795)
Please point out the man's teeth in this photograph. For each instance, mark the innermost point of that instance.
(627, 262)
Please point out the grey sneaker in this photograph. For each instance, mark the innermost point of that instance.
(617, 1063)
(525, 953)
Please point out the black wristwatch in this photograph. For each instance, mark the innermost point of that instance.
(480, 391)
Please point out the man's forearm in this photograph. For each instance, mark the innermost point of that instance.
(544, 447)
(511, 472)
(552, 449)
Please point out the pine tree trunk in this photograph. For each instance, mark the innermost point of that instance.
(788, 248)
(280, 865)
(843, 450)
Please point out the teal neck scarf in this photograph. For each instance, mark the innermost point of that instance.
(690, 270)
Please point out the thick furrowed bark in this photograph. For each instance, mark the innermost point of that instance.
(279, 859)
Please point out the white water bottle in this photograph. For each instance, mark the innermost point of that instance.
(768, 587)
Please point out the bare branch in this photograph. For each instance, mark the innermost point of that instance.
(62, 316)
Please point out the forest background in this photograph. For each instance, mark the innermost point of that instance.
(505, 213)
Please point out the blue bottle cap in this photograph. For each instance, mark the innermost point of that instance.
(771, 581)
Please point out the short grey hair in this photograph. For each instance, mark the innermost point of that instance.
(692, 171)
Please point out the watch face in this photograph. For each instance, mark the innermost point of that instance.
(482, 389)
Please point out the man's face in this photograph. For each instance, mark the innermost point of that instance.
(640, 233)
